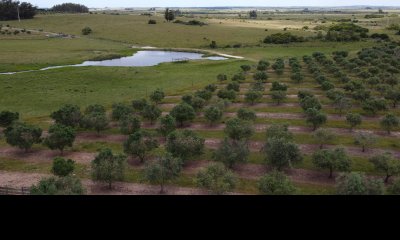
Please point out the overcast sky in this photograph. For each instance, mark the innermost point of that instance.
(212, 3)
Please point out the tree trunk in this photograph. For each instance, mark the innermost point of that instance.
(387, 178)
(162, 188)
(363, 148)
(321, 146)
(330, 173)
(110, 185)
(62, 152)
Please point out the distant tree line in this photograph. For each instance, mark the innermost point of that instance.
(9, 10)
(70, 8)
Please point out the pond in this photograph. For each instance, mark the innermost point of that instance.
(140, 59)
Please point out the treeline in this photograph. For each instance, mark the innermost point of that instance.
(70, 8)
(9, 10)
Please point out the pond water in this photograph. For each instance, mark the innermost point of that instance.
(140, 59)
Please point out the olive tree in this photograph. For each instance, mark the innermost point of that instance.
(389, 122)
(281, 153)
(353, 119)
(7, 118)
(246, 114)
(315, 118)
(139, 145)
(357, 184)
(120, 111)
(22, 135)
(151, 113)
(335, 159)
(183, 113)
(62, 167)
(185, 144)
(59, 137)
(237, 129)
(167, 125)
(232, 152)
(217, 179)
(68, 115)
(278, 96)
(324, 136)
(108, 168)
(68, 185)
(95, 118)
(157, 96)
(253, 97)
(387, 164)
(130, 124)
(164, 169)
(365, 140)
(213, 114)
(276, 183)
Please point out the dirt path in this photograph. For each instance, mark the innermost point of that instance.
(19, 179)
(311, 148)
(45, 155)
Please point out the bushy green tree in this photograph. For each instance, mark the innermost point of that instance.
(213, 114)
(108, 168)
(68, 115)
(357, 184)
(324, 136)
(22, 135)
(7, 118)
(246, 114)
(217, 179)
(353, 119)
(139, 104)
(139, 145)
(253, 97)
(278, 96)
(120, 111)
(167, 125)
(315, 118)
(237, 129)
(151, 113)
(387, 164)
(62, 167)
(183, 113)
(232, 152)
(59, 137)
(157, 96)
(185, 144)
(164, 169)
(365, 140)
(130, 124)
(335, 159)
(276, 183)
(58, 186)
(389, 122)
(281, 153)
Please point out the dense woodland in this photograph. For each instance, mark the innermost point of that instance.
(70, 8)
(9, 10)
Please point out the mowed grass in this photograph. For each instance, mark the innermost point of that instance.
(31, 54)
(37, 94)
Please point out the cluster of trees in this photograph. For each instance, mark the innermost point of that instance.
(346, 32)
(62, 183)
(283, 38)
(70, 8)
(295, 65)
(12, 10)
(169, 15)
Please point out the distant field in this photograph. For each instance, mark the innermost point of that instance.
(134, 29)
